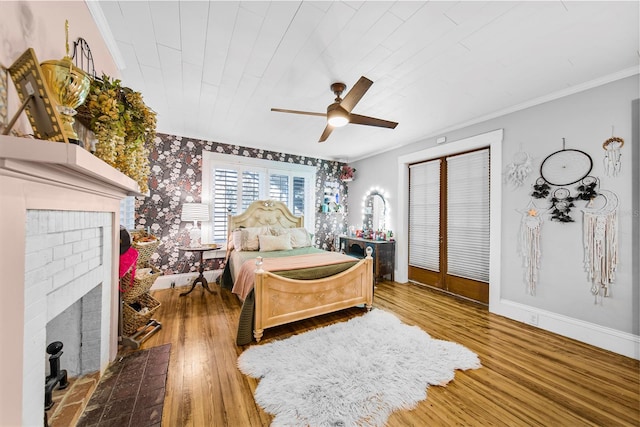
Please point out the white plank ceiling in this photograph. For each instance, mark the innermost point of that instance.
(213, 70)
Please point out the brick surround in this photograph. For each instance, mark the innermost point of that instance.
(64, 269)
(59, 228)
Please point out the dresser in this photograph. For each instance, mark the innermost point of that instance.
(384, 254)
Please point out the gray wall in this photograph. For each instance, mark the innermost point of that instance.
(585, 120)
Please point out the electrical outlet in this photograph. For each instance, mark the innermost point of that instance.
(533, 319)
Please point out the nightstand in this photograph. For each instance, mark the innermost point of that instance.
(199, 257)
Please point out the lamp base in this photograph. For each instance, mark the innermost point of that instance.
(194, 237)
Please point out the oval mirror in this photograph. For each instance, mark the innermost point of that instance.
(374, 211)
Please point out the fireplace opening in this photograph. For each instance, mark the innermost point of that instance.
(73, 350)
(68, 299)
(78, 327)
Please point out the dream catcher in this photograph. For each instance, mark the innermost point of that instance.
(600, 233)
(517, 171)
(612, 155)
(560, 169)
(529, 245)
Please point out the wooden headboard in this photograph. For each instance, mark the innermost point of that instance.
(265, 213)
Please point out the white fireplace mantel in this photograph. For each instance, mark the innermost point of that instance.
(48, 176)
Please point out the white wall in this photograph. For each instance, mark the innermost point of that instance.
(40, 25)
(563, 301)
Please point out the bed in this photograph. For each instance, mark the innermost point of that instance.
(290, 283)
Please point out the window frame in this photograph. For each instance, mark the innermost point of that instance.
(212, 160)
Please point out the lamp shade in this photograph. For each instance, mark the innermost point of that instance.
(195, 212)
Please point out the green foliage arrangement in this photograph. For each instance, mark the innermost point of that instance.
(124, 127)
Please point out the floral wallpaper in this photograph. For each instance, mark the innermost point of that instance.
(176, 178)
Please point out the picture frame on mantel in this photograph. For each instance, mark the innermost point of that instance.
(4, 97)
(35, 99)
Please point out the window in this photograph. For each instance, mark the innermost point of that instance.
(468, 215)
(231, 183)
(424, 215)
(279, 188)
(127, 215)
(225, 197)
(298, 195)
(449, 224)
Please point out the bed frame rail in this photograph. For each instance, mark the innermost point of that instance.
(280, 300)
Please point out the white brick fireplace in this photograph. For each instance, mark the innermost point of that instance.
(67, 259)
(59, 234)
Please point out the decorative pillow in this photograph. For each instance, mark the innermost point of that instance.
(246, 239)
(300, 237)
(275, 243)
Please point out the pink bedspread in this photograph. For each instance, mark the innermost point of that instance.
(245, 280)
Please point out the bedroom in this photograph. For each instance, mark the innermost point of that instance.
(563, 303)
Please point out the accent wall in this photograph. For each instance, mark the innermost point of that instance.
(176, 178)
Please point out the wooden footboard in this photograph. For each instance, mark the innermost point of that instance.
(280, 300)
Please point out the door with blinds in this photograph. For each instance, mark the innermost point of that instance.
(449, 224)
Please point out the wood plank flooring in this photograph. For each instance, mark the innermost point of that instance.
(529, 377)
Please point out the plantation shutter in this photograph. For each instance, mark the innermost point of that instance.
(424, 215)
(225, 200)
(279, 188)
(468, 215)
(250, 188)
(298, 195)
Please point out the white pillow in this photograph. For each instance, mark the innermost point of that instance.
(300, 237)
(275, 243)
(246, 239)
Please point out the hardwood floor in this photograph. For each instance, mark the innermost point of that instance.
(529, 377)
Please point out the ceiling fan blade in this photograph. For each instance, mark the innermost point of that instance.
(371, 121)
(308, 113)
(326, 133)
(356, 93)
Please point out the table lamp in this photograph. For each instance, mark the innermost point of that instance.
(195, 212)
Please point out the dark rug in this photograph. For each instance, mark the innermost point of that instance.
(131, 392)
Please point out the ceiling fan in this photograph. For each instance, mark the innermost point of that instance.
(339, 113)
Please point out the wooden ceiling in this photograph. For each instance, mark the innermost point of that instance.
(213, 70)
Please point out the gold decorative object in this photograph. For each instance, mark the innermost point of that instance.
(69, 86)
(4, 98)
(36, 99)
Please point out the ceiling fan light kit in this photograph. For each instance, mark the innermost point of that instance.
(339, 113)
(337, 116)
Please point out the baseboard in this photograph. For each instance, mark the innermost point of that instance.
(183, 279)
(610, 339)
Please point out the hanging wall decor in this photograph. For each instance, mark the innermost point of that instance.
(561, 169)
(588, 188)
(561, 204)
(519, 169)
(612, 155)
(540, 189)
(565, 167)
(529, 245)
(600, 234)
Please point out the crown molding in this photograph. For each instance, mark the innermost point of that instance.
(101, 22)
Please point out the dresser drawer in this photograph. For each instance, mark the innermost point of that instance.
(383, 254)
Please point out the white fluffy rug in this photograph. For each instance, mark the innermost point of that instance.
(354, 373)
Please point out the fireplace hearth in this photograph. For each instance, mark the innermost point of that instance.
(60, 224)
